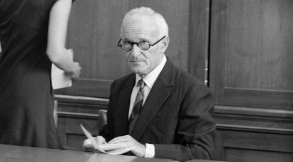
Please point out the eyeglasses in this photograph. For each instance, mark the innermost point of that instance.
(143, 45)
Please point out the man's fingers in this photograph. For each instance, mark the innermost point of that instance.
(118, 151)
(120, 139)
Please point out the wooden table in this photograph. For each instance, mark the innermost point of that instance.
(10, 153)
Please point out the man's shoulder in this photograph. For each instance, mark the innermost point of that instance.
(187, 78)
(186, 81)
(183, 77)
(177, 76)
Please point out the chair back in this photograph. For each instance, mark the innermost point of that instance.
(102, 119)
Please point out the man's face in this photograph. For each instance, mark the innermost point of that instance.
(139, 61)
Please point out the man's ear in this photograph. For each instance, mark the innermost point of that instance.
(164, 44)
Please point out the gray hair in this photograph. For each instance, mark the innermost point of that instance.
(159, 21)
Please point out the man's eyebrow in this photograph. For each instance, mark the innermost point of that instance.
(142, 40)
(125, 39)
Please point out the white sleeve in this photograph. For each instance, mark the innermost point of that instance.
(149, 151)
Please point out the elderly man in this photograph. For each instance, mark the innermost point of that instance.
(159, 110)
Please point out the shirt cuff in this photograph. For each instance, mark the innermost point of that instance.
(149, 150)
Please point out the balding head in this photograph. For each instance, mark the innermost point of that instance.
(145, 19)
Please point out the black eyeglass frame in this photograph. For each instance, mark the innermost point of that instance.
(137, 43)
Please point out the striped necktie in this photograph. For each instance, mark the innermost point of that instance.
(137, 106)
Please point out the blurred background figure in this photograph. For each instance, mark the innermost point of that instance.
(32, 36)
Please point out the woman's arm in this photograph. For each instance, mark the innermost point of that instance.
(57, 32)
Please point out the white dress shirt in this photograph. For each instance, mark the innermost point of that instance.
(149, 81)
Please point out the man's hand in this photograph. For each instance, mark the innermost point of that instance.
(88, 146)
(131, 144)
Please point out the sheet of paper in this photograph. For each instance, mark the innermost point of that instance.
(59, 78)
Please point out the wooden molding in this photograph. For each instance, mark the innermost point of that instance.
(254, 119)
(82, 99)
(226, 117)
(254, 112)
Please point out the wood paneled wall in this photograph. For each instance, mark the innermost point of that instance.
(240, 48)
(251, 78)
(251, 54)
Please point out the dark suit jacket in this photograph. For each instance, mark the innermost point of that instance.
(176, 116)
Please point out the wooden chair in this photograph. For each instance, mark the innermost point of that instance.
(55, 112)
(102, 119)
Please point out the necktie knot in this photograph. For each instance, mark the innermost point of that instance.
(140, 84)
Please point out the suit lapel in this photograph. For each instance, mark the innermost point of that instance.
(121, 116)
(156, 98)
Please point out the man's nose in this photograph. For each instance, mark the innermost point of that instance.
(135, 50)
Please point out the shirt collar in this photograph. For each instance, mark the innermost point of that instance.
(153, 75)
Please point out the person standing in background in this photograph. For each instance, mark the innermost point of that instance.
(32, 36)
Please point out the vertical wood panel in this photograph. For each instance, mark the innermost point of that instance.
(239, 155)
(259, 55)
(94, 34)
(252, 145)
(199, 38)
(250, 54)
